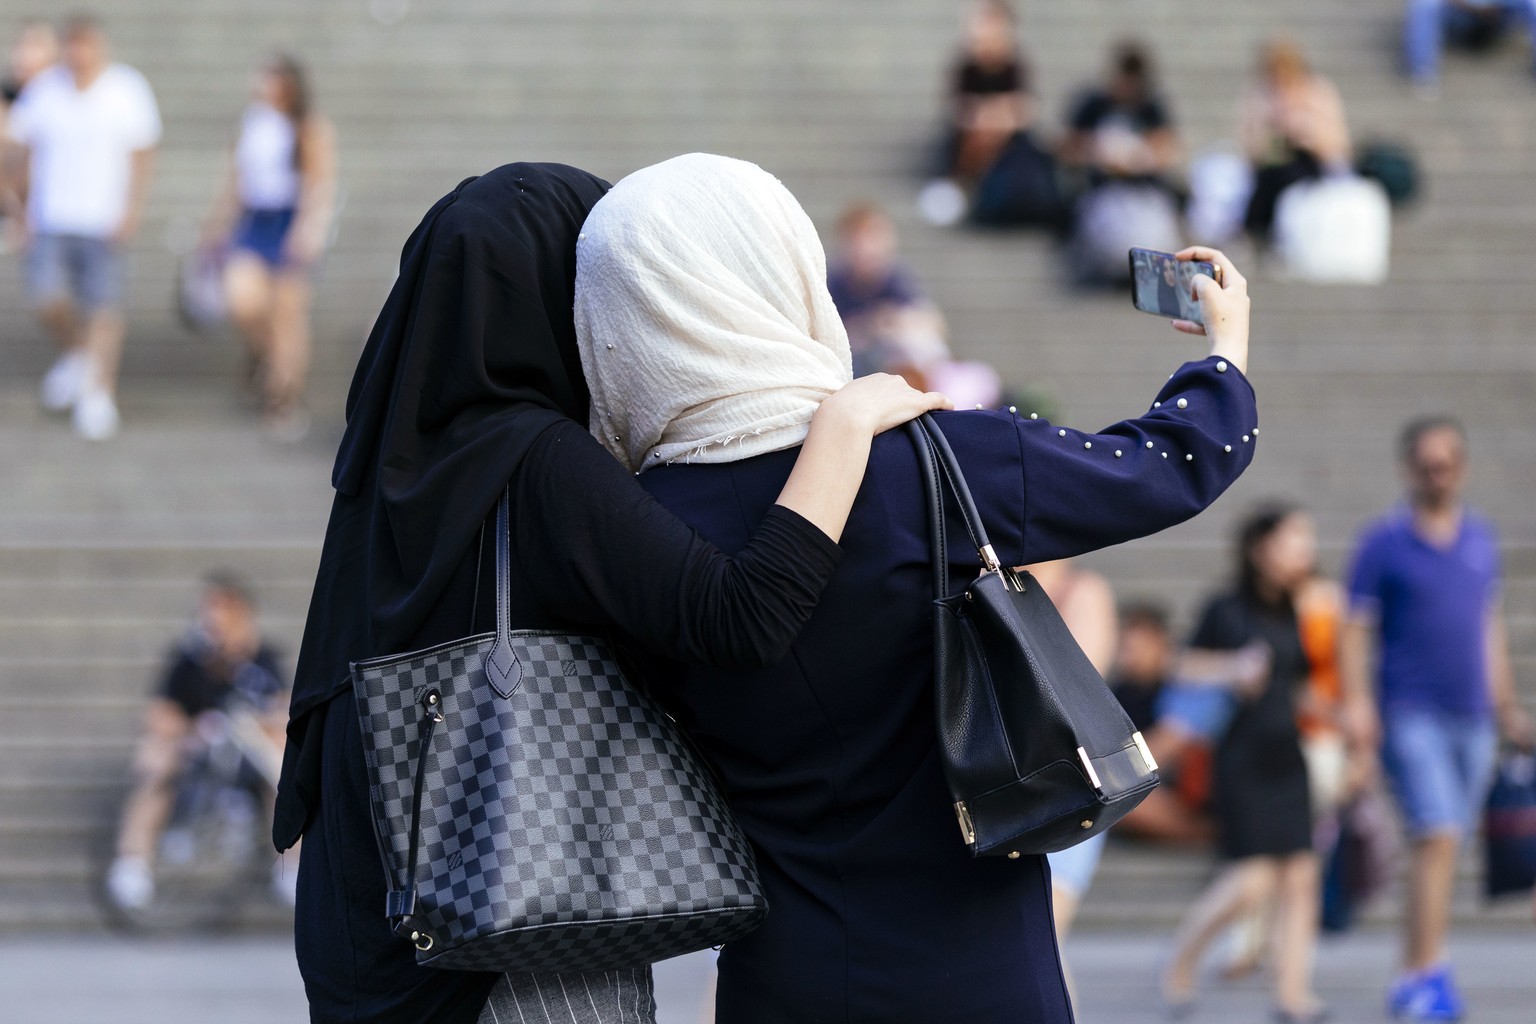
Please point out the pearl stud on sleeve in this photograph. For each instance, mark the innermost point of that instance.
(1061, 433)
(1226, 448)
(1221, 366)
(1087, 444)
(1183, 403)
(1189, 458)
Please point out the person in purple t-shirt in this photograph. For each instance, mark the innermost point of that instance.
(1425, 582)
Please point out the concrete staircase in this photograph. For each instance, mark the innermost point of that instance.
(101, 547)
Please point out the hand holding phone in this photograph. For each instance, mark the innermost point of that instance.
(1224, 306)
(1164, 285)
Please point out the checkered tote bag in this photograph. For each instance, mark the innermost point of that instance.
(536, 812)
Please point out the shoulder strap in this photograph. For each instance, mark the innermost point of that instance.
(927, 464)
(957, 484)
(501, 666)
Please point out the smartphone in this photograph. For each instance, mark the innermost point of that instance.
(1163, 285)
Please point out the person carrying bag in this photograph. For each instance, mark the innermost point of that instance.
(565, 822)
(1038, 753)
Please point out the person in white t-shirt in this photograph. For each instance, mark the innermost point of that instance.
(88, 130)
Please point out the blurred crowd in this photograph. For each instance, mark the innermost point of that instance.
(1281, 748)
(1116, 174)
(1282, 751)
(78, 136)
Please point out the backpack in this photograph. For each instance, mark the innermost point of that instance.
(1393, 166)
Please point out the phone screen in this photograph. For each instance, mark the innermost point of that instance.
(1163, 285)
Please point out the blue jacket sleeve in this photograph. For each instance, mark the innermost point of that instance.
(1047, 492)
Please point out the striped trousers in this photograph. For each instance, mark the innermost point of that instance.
(600, 997)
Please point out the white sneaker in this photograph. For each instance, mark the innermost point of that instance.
(96, 417)
(130, 884)
(64, 381)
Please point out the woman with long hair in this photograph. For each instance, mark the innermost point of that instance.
(272, 219)
(471, 384)
(707, 336)
(1249, 637)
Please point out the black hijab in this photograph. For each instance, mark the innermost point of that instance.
(472, 357)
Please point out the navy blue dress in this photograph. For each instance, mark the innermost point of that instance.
(878, 912)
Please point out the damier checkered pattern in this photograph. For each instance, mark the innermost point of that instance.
(566, 827)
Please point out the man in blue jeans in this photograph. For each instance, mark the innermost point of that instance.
(1425, 583)
(1427, 24)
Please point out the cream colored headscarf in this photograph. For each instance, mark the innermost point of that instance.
(706, 330)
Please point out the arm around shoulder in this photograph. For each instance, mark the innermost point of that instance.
(593, 547)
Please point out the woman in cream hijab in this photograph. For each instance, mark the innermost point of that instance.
(708, 339)
(708, 334)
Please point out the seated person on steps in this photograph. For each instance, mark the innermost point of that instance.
(221, 670)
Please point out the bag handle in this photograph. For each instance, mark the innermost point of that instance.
(400, 904)
(501, 665)
(936, 458)
(927, 463)
(504, 672)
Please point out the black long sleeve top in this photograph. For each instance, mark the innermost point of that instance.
(592, 551)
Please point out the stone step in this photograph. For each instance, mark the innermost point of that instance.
(101, 549)
(159, 600)
(29, 758)
(162, 564)
(95, 799)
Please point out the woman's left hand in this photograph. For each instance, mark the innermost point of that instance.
(880, 401)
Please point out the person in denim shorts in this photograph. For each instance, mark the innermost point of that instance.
(1425, 586)
(86, 130)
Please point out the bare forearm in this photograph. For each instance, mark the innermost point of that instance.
(317, 200)
(225, 206)
(828, 473)
(1355, 662)
(143, 167)
(15, 162)
(1501, 670)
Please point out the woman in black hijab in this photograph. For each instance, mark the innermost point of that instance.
(471, 380)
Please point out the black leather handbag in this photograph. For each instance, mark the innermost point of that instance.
(536, 812)
(1037, 751)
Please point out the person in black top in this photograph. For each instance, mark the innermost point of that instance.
(830, 754)
(470, 383)
(1262, 800)
(1122, 131)
(990, 91)
(221, 667)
